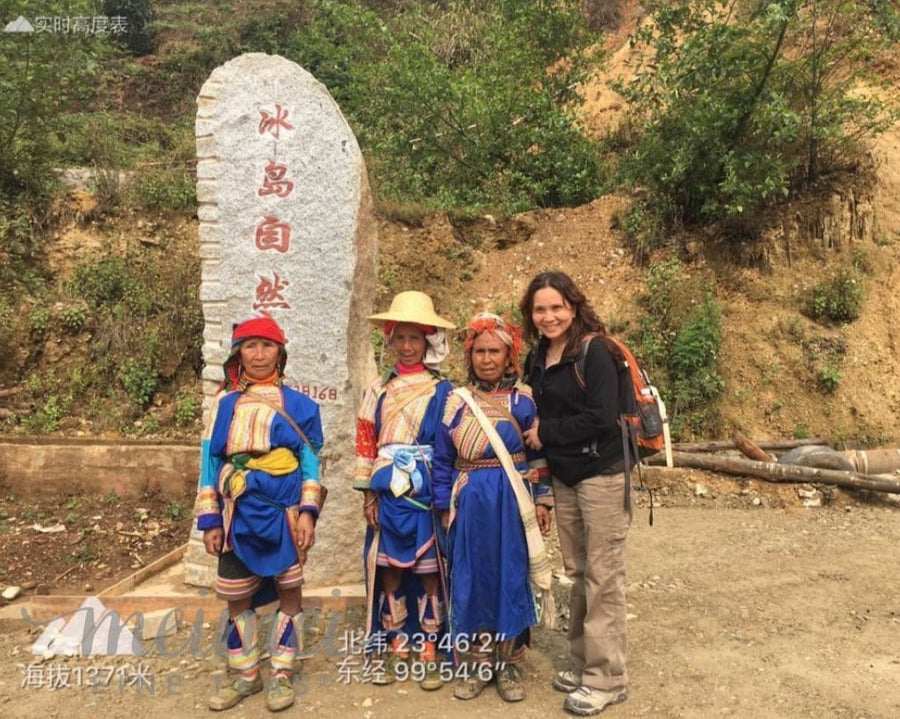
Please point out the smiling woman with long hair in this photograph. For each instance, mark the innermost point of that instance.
(578, 431)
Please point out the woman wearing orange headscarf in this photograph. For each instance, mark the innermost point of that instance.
(491, 504)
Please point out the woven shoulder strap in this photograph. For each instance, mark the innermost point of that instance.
(539, 570)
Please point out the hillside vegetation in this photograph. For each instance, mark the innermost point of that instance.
(720, 177)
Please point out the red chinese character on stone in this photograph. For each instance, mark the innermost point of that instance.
(273, 234)
(274, 182)
(273, 123)
(269, 293)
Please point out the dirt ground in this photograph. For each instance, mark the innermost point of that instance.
(742, 602)
(83, 542)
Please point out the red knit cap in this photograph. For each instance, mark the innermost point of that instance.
(263, 326)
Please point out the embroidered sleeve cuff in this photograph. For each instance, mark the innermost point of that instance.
(209, 521)
(310, 497)
(207, 502)
(362, 474)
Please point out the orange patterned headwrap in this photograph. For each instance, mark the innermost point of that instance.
(507, 331)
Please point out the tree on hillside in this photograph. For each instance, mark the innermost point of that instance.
(43, 75)
(744, 102)
(461, 103)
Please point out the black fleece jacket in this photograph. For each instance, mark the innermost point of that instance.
(578, 426)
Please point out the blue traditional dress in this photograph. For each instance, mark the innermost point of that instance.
(257, 473)
(396, 426)
(488, 556)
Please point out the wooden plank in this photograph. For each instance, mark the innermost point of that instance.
(750, 448)
(144, 573)
(774, 472)
(720, 445)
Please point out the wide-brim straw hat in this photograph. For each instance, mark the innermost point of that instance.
(412, 306)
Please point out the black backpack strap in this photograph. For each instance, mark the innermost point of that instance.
(629, 434)
(579, 364)
(626, 456)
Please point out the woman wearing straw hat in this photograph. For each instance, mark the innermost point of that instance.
(396, 426)
(495, 497)
(258, 498)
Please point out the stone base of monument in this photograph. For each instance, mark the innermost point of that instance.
(161, 587)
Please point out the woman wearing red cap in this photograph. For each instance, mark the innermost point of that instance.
(396, 426)
(258, 500)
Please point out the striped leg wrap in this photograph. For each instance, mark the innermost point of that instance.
(508, 653)
(243, 653)
(431, 613)
(393, 612)
(286, 639)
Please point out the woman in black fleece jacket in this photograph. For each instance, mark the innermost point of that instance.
(583, 444)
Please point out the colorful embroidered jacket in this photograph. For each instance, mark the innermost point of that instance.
(463, 447)
(255, 470)
(402, 409)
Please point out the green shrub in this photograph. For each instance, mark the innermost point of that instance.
(462, 103)
(643, 227)
(42, 77)
(110, 281)
(164, 188)
(679, 340)
(139, 17)
(39, 320)
(743, 104)
(838, 298)
(185, 409)
(829, 378)
(73, 318)
(46, 419)
(176, 511)
(139, 380)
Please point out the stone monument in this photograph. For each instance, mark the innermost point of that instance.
(287, 226)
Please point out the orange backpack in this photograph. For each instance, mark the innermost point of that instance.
(642, 413)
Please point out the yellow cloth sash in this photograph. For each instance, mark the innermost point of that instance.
(278, 462)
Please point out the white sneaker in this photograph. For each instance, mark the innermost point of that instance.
(585, 701)
(567, 681)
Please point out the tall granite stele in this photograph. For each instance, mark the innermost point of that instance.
(287, 226)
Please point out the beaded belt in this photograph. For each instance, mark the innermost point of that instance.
(465, 465)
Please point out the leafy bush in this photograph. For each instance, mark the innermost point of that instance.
(679, 340)
(829, 378)
(39, 320)
(185, 409)
(42, 76)
(742, 104)
(73, 318)
(20, 243)
(46, 419)
(176, 511)
(643, 228)
(461, 104)
(838, 298)
(139, 380)
(164, 188)
(108, 282)
(138, 16)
